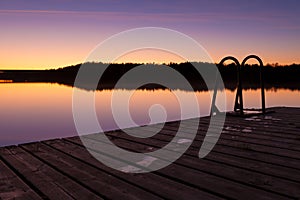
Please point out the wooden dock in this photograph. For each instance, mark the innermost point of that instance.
(255, 158)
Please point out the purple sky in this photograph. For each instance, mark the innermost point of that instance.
(51, 34)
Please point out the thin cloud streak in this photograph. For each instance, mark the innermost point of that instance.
(176, 17)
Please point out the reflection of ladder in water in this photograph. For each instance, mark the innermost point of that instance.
(238, 105)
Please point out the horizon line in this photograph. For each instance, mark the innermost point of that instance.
(276, 64)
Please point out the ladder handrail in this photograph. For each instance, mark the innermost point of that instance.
(239, 90)
(238, 106)
(263, 105)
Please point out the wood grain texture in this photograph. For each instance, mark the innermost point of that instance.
(256, 157)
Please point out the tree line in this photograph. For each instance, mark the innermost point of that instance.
(280, 76)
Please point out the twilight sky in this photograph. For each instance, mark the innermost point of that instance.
(50, 34)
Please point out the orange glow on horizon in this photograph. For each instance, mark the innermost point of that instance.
(20, 56)
(38, 60)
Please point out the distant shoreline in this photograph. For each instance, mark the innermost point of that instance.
(285, 77)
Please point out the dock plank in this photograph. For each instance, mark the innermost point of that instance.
(12, 187)
(256, 157)
(166, 187)
(230, 147)
(191, 176)
(100, 182)
(236, 157)
(229, 172)
(51, 183)
(243, 134)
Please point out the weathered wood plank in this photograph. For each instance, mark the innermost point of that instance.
(208, 182)
(262, 127)
(100, 182)
(278, 170)
(51, 183)
(258, 180)
(158, 185)
(223, 146)
(269, 124)
(12, 187)
(253, 132)
(232, 147)
(240, 134)
(235, 155)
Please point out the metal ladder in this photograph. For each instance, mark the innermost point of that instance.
(239, 109)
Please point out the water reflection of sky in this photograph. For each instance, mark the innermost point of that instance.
(39, 111)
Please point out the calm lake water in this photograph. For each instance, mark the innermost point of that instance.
(39, 111)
